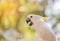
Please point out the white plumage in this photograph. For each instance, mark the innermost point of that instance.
(42, 28)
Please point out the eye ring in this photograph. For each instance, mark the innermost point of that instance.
(30, 16)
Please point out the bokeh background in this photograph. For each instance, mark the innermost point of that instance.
(13, 15)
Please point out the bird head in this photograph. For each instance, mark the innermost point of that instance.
(32, 18)
(41, 27)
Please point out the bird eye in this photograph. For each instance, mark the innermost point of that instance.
(30, 16)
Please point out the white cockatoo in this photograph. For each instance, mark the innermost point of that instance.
(41, 27)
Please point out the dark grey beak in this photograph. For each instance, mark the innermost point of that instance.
(28, 21)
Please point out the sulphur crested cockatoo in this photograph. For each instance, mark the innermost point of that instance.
(41, 27)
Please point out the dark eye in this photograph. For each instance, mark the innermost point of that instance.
(30, 16)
